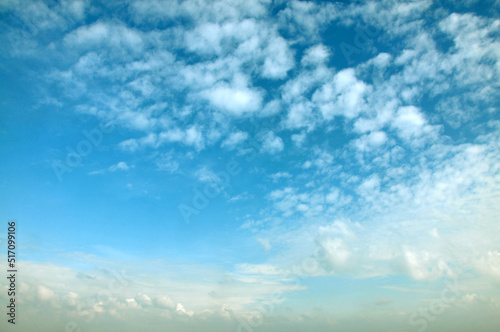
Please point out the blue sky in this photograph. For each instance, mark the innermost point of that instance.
(336, 159)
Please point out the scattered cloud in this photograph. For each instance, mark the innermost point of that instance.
(234, 140)
(376, 124)
(120, 166)
(272, 144)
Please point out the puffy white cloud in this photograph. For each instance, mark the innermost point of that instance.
(344, 95)
(164, 301)
(305, 19)
(316, 55)
(234, 100)
(412, 126)
(266, 243)
(102, 33)
(192, 136)
(234, 140)
(72, 299)
(167, 10)
(271, 108)
(205, 174)
(299, 139)
(423, 265)
(425, 209)
(271, 143)
(339, 256)
(371, 141)
(45, 293)
(182, 311)
(279, 59)
(143, 300)
(300, 115)
(132, 304)
(298, 87)
(120, 166)
(207, 38)
(383, 116)
(280, 175)
(474, 48)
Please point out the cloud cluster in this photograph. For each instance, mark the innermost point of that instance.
(389, 138)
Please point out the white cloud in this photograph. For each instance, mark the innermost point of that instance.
(191, 136)
(72, 299)
(383, 116)
(425, 209)
(316, 55)
(305, 19)
(208, 37)
(300, 115)
(271, 143)
(338, 253)
(132, 304)
(344, 95)
(298, 87)
(182, 311)
(266, 243)
(290, 201)
(271, 108)
(45, 293)
(299, 139)
(194, 137)
(279, 59)
(411, 125)
(120, 166)
(240, 197)
(105, 34)
(205, 38)
(234, 140)
(371, 141)
(235, 101)
(280, 175)
(143, 300)
(164, 301)
(166, 163)
(204, 174)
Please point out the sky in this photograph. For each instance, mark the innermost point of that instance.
(252, 165)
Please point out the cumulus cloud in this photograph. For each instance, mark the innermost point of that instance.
(300, 115)
(205, 174)
(117, 36)
(182, 311)
(316, 55)
(234, 140)
(411, 125)
(120, 166)
(344, 95)
(234, 100)
(191, 136)
(371, 141)
(279, 59)
(266, 243)
(272, 144)
(164, 301)
(143, 300)
(45, 293)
